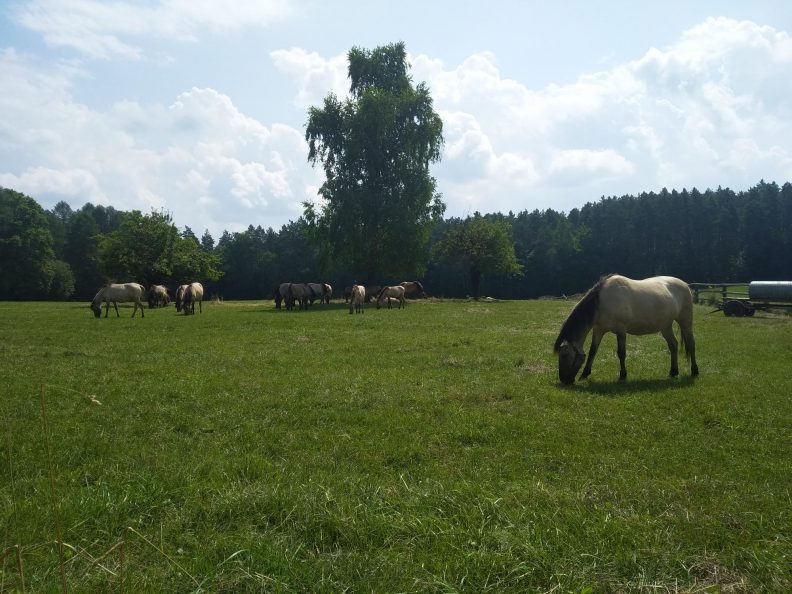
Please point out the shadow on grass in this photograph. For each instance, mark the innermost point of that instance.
(617, 388)
(315, 308)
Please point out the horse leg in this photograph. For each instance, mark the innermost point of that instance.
(690, 348)
(673, 346)
(200, 306)
(621, 351)
(107, 308)
(115, 304)
(596, 338)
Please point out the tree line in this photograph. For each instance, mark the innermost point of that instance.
(711, 236)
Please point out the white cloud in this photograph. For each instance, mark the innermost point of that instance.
(315, 76)
(200, 158)
(583, 162)
(106, 30)
(72, 183)
(714, 108)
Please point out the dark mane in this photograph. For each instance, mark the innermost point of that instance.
(581, 317)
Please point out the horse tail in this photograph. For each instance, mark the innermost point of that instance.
(687, 343)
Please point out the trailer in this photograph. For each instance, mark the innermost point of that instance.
(761, 296)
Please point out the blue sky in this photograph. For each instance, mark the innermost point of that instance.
(198, 107)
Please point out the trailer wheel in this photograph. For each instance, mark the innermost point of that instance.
(750, 308)
(735, 308)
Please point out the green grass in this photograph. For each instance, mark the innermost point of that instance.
(425, 450)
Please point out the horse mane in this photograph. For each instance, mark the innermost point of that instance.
(581, 318)
(381, 291)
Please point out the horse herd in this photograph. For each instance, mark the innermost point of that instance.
(614, 304)
(158, 296)
(304, 294)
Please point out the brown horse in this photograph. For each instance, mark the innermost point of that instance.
(158, 296)
(624, 306)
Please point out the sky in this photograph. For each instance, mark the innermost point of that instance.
(198, 107)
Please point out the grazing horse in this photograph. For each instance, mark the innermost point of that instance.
(277, 297)
(413, 288)
(180, 296)
(624, 306)
(372, 291)
(295, 292)
(357, 299)
(158, 296)
(396, 292)
(192, 293)
(321, 291)
(119, 293)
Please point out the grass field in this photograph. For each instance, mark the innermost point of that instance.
(425, 450)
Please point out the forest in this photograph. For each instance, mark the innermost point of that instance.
(700, 236)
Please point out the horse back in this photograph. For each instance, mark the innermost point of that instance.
(642, 306)
(196, 289)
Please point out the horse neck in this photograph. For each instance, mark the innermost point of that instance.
(580, 320)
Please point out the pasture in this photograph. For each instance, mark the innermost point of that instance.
(429, 449)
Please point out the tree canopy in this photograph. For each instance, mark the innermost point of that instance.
(149, 249)
(700, 236)
(480, 246)
(27, 259)
(378, 199)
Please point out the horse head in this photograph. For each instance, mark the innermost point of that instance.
(570, 360)
(96, 308)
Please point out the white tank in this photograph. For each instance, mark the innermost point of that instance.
(770, 290)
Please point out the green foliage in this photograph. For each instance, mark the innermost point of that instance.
(375, 148)
(480, 246)
(306, 452)
(27, 260)
(712, 236)
(149, 249)
(248, 263)
(62, 286)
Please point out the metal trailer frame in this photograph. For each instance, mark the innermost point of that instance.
(735, 304)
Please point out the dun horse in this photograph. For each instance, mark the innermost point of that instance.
(624, 306)
(357, 299)
(396, 292)
(116, 293)
(320, 291)
(158, 296)
(413, 288)
(186, 297)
